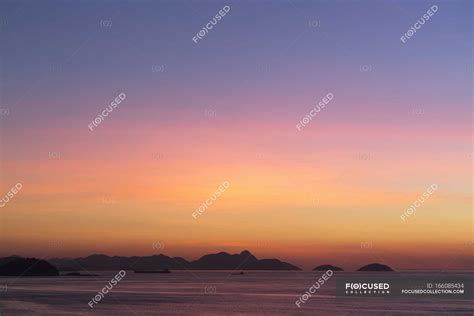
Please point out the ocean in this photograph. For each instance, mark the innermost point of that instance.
(212, 293)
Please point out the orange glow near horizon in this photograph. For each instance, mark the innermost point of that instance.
(299, 203)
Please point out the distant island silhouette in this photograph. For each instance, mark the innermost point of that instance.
(18, 266)
(218, 261)
(375, 267)
(326, 267)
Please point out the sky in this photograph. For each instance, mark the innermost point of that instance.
(225, 109)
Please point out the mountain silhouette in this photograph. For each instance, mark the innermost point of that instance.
(270, 264)
(224, 261)
(104, 262)
(17, 266)
(218, 261)
(375, 267)
(5, 260)
(326, 267)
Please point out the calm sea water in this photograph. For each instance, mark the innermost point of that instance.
(209, 293)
